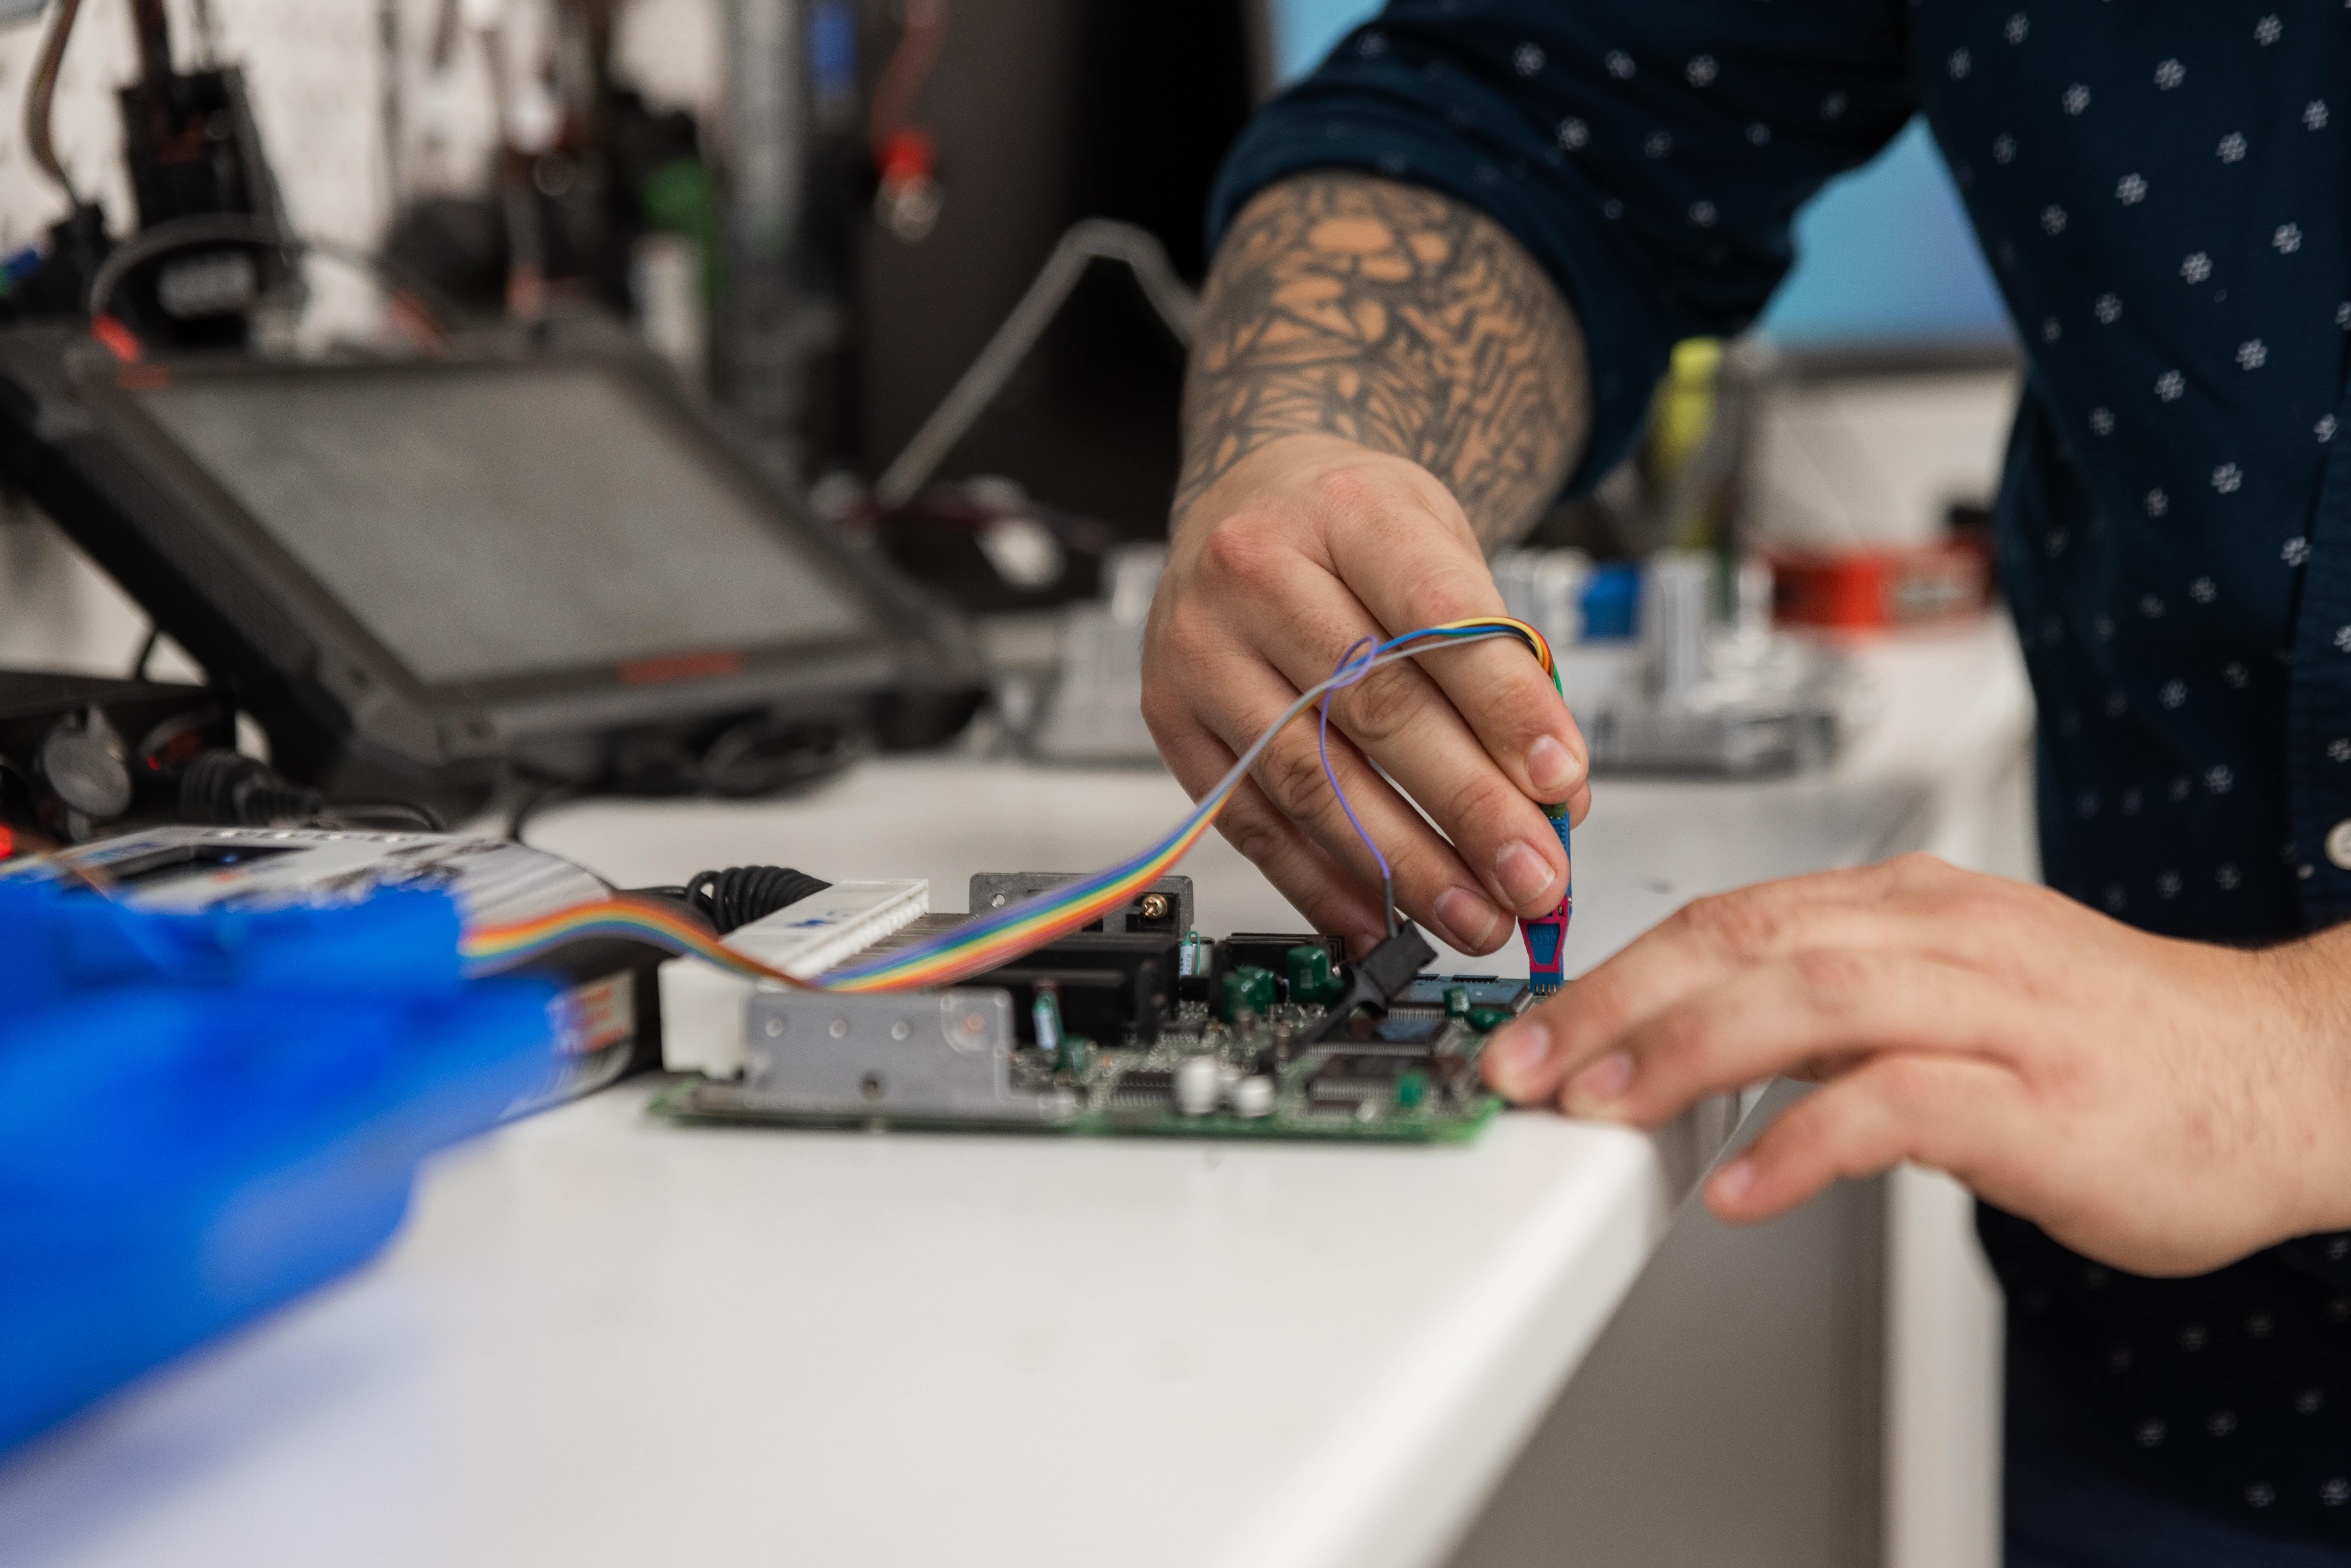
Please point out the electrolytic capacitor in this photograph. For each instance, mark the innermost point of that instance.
(1196, 1085)
(1253, 1097)
(1046, 1014)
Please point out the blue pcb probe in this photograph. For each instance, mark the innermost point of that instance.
(1546, 935)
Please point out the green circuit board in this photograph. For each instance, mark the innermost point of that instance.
(1410, 1076)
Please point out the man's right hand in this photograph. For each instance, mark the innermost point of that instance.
(1304, 547)
(1383, 383)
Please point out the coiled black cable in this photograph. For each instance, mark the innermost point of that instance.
(224, 787)
(734, 897)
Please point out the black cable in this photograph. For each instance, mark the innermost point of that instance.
(239, 792)
(146, 653)
(769, 756)
(239, 228)
(549, 793)
(734, 898)
(766, 755)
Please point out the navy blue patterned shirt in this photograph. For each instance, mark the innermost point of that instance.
(2161, 191)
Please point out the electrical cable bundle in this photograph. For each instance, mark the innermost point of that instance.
(986, 941)
(734, 898)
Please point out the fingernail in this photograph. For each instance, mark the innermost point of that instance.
(1518, 1053)
(1524, 874)
(1551, 768)
(1468, 919)
(1604, 1082)
(1731, 1182)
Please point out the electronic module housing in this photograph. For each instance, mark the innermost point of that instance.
(1140, 1026)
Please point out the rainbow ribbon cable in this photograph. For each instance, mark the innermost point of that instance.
(985, 941)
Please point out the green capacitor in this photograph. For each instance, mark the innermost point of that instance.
(1187, 955)
(1312, 983)
(1485, 1020)
(1412, 1089)
(1457, 1001)
(1075, 1056)
(1247, 986)
(1045, 1017)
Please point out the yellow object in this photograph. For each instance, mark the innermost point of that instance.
(1680, 420)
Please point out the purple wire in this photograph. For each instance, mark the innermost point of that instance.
(1367, 650)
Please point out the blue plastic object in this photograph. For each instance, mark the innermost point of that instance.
(202, 1116)
(1546, 937)
(1612, 602)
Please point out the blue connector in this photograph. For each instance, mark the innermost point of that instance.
(1546, 935)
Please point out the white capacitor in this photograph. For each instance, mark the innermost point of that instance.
(1196, 1085)
(1253, 1097)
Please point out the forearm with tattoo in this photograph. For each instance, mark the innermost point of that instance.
(1394, 317)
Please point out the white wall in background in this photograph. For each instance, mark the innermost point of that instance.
(1855, 462)
(670, 50)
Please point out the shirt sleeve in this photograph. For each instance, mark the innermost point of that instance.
(1650, 154)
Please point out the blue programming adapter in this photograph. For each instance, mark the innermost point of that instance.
(1546, 935)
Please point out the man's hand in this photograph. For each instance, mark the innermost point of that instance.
(2163, 1106)
(1383, 385)
(1307, 546)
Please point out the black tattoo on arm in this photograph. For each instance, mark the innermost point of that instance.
(1394, 317)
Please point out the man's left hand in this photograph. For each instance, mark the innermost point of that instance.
(2163, 1106)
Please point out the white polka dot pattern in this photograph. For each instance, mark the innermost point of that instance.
(2159, 189)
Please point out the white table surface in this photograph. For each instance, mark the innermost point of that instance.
(603, 1340)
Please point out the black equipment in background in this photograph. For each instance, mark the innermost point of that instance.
(81, 756)
(84, 757)
(195, 152)
(1047, 113)
(420, 576)
(195, 158)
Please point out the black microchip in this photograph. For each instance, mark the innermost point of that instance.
(1402, 1050)
(1485, 991)
(1385, 1066)
(1405, 1033)
(1113, 986)
(1261, 950)
(1143, 1089)
(1347, 1093)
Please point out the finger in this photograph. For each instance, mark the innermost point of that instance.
(1407, 726)
(1318, 887)
(1948, 1114)
(1224, 692)
(1431, 881)
(1823, 1003)
(1412, 568)
(1327, 893)
(1579, 805)
(1701, 946)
